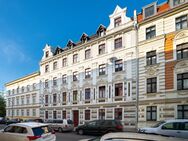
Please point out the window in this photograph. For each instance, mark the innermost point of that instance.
(46, 100)
(13, 91)
(54, 115)
(64, 64)
(87, 114)
(118, 43)
(182, 51)
(182, 111)
(22, 100)
(27, 99)
(101, 49)
(55, 65)
(117, 21)
(64, 79)
(55, 81)
(64, 97)
(17, 101)
(181, 22)
(182, 81)
(46, 114)
(54, 99)
(34, 112)
(87, 54)
(102, 92)
(177, 2)
(151, 57)
(75, 76)
(128, 89)
(102, 114)
(118, 113)
(47, 54)
(150, 32)
(118, 65)
(151, 113)
(46, 83)
(34, 86)
(75, 58)
(34, 99)
(119, 89)
(152, 85)
(22, 89)
(149, 11)
(17, 112)
(87, 94)
(75, 93)
(87, 73)
(22, 112)
(102, 69)
(27, 112)
(171, 126)
(47, 68)
(63, 114)
(28, 88)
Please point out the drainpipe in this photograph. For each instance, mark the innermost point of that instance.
(137, 68)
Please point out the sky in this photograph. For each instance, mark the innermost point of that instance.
(27, 25)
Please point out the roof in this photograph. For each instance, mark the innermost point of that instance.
(30, 124)
(160, 9)
(23, 78)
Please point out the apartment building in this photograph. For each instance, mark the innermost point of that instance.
(94, 78)
(22, 98)
(163, 54)
(135, 70)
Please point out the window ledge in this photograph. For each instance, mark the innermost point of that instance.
(153, 65)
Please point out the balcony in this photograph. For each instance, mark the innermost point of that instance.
(87, 101)
(102, 99)
(118, 98)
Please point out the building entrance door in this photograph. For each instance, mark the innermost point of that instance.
(75, 118)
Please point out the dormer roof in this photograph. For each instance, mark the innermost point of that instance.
(70, 43)
(101, 28)
(84, 37)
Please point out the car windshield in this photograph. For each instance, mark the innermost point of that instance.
(158, 124)
(38, 131)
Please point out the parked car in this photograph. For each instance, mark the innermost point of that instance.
(128, 136)
(27, 131)
(175, 128)
(35, 120)
(11, 121)
(61, 125)
(100, 127)
(2, 120)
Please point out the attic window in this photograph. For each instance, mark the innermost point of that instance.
(117, 21)
(177, 2)
(47, 54)
(149, 10)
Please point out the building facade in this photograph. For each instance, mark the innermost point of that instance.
(135, 70)
(22, 98)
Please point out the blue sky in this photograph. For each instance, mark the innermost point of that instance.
(27, 25)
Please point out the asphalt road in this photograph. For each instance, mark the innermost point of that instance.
(66, 136)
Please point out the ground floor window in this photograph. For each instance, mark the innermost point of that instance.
(54, 115)
(46, 114)
(87, 114)
(182, 111)
(64, 115)
(151, 113)
(101, 113)
(118, 113)
(34, 112)
(27, 112)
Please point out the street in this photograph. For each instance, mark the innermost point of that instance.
(66, 136)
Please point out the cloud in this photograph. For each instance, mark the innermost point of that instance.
(12, 51)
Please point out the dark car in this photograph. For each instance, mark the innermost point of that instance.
(35, 120)
(13, 121)
(2, 120)
(100, 127)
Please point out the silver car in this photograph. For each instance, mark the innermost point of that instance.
(27, 132)
(175, 128)
(61, 125)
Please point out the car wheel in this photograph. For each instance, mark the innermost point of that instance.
(80, 132)
(60, 130)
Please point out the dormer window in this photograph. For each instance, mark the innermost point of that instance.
(101, 30)
(150, 10)
(117, 22)
(84, 38)
(178, 2)
(47, 54)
